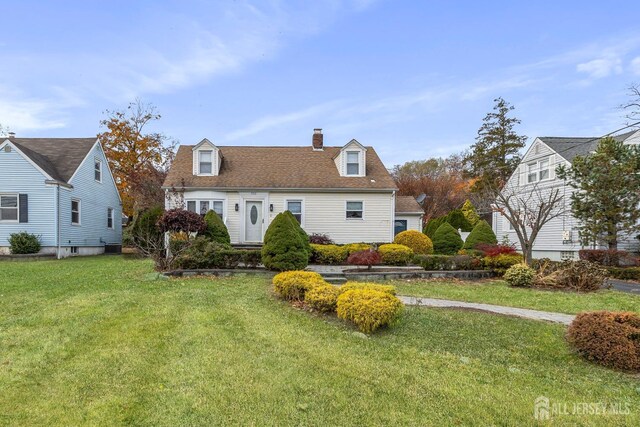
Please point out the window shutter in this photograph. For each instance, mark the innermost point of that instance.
(195, 162)
(24, 207)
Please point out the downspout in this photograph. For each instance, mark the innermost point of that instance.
(393, 215)
(58, 221)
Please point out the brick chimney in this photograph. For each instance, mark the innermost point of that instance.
(317, 140)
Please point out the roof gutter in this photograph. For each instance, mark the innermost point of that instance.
(59, 183)
(288, 189)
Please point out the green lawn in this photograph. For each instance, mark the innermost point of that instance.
(94, 341)
(498, 292)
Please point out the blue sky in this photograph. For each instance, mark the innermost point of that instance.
(412, 78)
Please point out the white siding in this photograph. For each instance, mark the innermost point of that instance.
(323, 212)
(413, 221)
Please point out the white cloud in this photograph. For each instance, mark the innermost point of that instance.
(600, 68)
(635, 66)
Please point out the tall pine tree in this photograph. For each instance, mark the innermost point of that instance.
(495, 155)
(607, 195)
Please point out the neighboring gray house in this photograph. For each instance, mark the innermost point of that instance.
(559, 238)
(62, 190)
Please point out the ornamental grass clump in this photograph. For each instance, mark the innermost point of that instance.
(418, 242)
(293, 285)
(322, 298)
(368, 309)
(609, 338)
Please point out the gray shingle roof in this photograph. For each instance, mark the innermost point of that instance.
(58, 157)
(571, 147)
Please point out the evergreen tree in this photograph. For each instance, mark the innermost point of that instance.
(481, 233)
(284, 248)
(433, 224)
(216, 230)
(607, 197)
(470, 213)
(495, 155)
(446, 240)
(458, 221)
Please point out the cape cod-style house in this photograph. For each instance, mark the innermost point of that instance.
(558, 239)
(61, 190)
(344, 192)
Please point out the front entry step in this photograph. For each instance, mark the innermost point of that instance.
(334, 278)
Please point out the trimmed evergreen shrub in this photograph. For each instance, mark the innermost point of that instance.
(501, 263)
(216, 230)
(470, 213)
(519, 275)
(481, 234)
(145, 232)
(293, 285)
(303, 234)
(368, 309)
(418, 242)
(433, 225)
(328, 254)
(24, 243)
(391, 290)
(446, 240)
(356, 247)
(393, 254)
(458, 221)
(284, 248)
(609, 338)
(322, 298)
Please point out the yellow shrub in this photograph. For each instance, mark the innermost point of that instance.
(292, 285)
(391, 290)
(322, 298)
(328, 254)
(393, 254)
(356, 247)
(368, 309)
(418, 242)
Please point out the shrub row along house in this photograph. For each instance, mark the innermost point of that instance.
(344, 192)
(61, 190)
(536, 175)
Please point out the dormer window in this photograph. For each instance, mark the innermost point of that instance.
(205, 162)
(353, 163)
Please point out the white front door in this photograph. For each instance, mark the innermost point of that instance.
(253, 222)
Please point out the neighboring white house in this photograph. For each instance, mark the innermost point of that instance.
(559, 238)
(60, 189)
(344, 192)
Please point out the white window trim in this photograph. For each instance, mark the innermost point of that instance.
(347, 163)
(197, 202)
(113, 220)
(79, 212)
(200, 173)
(346, 210)
(17, 220)
(98, 161)
(302, 215)
(537, 170)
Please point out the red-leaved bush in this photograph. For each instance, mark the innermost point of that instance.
(495, 250)
(367, 257)
(180, 220)
(609, 257)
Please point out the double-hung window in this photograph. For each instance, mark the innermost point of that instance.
(205, 162)
(75, 211)
(204, 207)
(191, 205)
(538, 171)
(8, 207)
(355, 210)
(218, 207)
(97, 170)
(353, 163)
(109, 218)
(295, 207)
(543, 169)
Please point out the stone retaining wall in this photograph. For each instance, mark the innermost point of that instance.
(378, 276)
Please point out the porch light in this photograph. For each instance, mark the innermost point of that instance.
(237, 207)
(271, 207)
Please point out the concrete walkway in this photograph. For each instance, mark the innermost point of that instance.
(565, 319)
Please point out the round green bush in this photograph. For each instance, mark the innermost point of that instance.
(481, 234)
(284, 248)
(519, 275)
(216, 230)
(417, 241)
(24, 243)
(446, 240)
